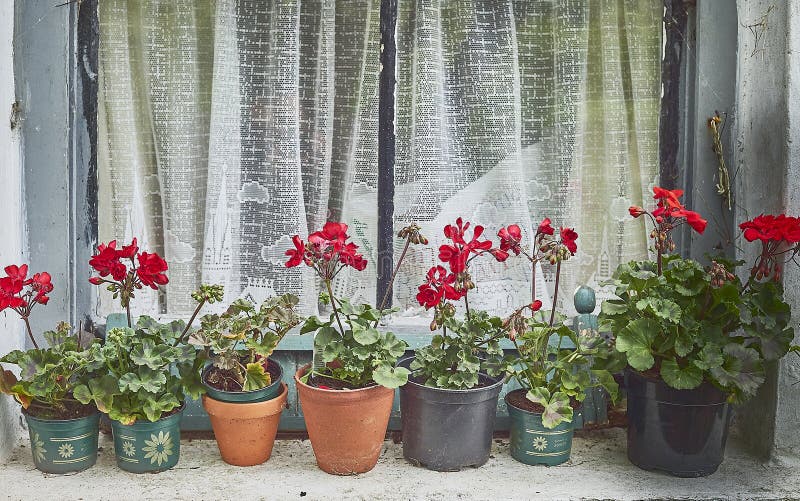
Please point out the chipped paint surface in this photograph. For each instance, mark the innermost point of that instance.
(11, 229)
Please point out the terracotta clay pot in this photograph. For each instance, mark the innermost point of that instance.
(346, 427)
(245, 432)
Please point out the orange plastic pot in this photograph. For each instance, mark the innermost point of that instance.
(346, 427)
(245, 432)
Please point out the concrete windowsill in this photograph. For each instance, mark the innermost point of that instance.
(598, 469)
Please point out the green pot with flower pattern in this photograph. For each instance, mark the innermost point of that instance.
(148, 447)
(63, 446)
(532, 443)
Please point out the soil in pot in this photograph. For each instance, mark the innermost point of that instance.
(225, 379)
(346, 427)
(447, 430)
(71, 410)
(65, 445)
(680, 432)
(245, 432)
(148, 447)
(531, 442)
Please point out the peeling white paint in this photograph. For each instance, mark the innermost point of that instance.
(11, 229)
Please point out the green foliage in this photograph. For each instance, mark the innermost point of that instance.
(465, 348)
(691, 331)
(357, 353)
(245, 336)
(556, 376)
(141, 373)
(50, 375)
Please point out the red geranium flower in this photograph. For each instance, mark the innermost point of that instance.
(769, 227)
(510, 239)
(438, 285)
(106, 261)
(636, 211)
(151, 270)
(128, 251)
(668, 197)
(536, 305)
(41, 284)
(457, 253)
(693, 219)
(545, 227)
(296, 255)
(568, 237)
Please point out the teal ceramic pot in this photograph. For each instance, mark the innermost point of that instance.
(63, 446)
(532, 443)
(148, 447)
(260, 395)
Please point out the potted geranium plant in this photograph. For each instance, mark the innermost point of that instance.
(148, 370)
(347, 397)
(245, 393)
(448, 406)
(695, 338)
(63, 432)
(554, 365)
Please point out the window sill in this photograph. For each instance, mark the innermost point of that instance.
(598, 469)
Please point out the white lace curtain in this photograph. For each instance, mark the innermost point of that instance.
(228, 125)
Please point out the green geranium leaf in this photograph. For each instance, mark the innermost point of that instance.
(661, 308)
(151, 355)
(312, 324)
(100, 390)
(556, 407)
(147, 380)
(256, 377)
(366, 336)
(613, 307)
(390, 377)
(153, 408)
(635, 340)
(709, 357)
(681, 378)
(742, 371)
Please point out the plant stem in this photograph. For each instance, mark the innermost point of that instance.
(333, 303)
(128, 311)
(466, 305)
(188, 325)
(391, 280)
(533, 286)
(659, 261)
(555, 294)
(30, 332)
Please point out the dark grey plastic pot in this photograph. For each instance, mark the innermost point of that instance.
(447, 430)
(680, 432)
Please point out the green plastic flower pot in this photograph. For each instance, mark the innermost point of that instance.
(260, 395)
(148, 447)
(532, 443)
(63, 446)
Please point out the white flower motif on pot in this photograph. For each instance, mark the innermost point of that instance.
(128, 448)
(66, 450)
(159, 448)
(38, 447)
(540, 443)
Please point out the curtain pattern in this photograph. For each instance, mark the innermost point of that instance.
(228, 125)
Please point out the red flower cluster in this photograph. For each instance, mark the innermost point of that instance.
(327, 251)
(108, 261)
(12, 285)
(781, 228)
(457, 254)
(511, 238)
(439, 285)
(669, 209)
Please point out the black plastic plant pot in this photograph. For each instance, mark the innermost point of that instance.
(447, 430)
(680, 432)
